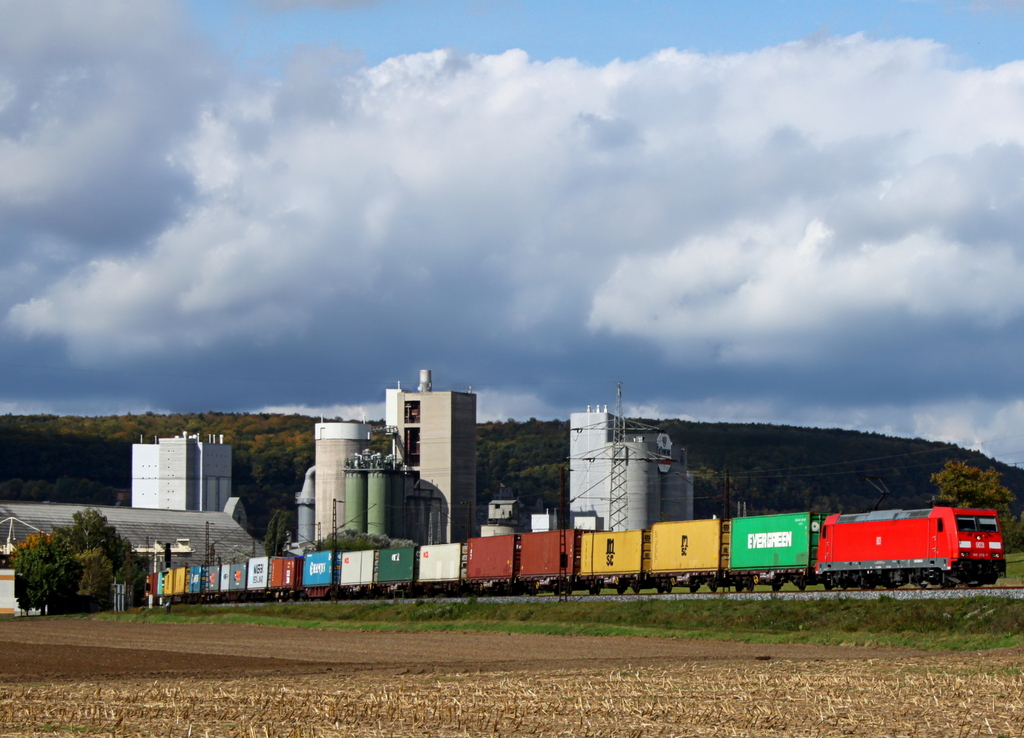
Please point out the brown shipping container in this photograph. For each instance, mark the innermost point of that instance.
(285, 573)
(496, 557)
(540, 553)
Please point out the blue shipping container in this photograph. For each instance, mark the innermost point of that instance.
(196, 577)
(316, 571)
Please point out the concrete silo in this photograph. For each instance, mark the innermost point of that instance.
(335, 444)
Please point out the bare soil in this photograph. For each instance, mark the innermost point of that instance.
(79, 648)
(180, 680)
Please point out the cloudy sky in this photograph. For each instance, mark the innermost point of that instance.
(776, 210)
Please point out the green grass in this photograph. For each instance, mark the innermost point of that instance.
(974, 623)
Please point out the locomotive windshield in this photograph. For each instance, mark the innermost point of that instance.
(977, 523)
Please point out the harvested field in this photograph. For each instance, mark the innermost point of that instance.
(141, 679)
(864, 698)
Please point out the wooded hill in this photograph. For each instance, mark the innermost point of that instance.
(772, 468)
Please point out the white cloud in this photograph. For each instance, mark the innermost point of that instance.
(843, 211)
(367, 412)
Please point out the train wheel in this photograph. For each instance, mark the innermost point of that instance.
(801, 583)
(828, 583)
(776, 586)
(621, 587)
(694, 587)
(595, 589)
(713, 585)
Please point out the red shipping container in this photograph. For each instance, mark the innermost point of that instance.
(151, 582)
(285, 573)
(540, 554)
(496, 557)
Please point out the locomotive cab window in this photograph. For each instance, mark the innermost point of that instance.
(988, 524)
(966, 523)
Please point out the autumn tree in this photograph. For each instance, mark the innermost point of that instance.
(49, 573)
(963, 485)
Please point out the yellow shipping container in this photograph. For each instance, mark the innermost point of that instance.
(615, 553)
(690, 545)
(179, 580)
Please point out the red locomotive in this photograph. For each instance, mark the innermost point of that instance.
(942, 545)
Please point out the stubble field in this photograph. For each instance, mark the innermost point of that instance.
(148, 679)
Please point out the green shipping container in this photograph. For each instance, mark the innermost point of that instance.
(775, 541)
(395, 565)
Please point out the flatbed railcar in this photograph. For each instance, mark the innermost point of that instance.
(940, 546)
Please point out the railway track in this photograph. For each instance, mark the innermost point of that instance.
(1009, 592)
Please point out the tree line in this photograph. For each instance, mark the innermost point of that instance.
(770, 468)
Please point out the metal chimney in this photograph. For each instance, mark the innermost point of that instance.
(425, 384)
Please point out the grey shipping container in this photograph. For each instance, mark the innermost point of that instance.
(357, 567)
(237, 577)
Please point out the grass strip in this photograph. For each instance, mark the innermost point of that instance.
(975, 623)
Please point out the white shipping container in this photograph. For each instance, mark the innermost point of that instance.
(225, 577)
(357, 567)
(440, 563)
(259, 573)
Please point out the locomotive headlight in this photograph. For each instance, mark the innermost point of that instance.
(995, 544)
(965, 544)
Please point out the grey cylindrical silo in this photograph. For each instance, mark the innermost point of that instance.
(673, 493)
(306, 502)
(356, 499)
(643, 493)
(377, 502)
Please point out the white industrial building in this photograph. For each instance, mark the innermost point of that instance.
(182, 473)
(624, 483)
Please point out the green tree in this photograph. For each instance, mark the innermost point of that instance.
(963, 485)
(97, 576)
(90, 530)
(277, 533)
(49, 573)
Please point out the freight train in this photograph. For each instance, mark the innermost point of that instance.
(940, 546)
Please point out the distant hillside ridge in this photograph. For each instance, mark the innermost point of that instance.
(772, 468)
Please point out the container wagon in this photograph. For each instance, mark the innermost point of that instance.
(319, 576)
(689, 553)
(544, 566)
(395, 571)
(441, 568)
(285, 577)
(775, 549)
(492, 564)
(619, 559)
(356, 573)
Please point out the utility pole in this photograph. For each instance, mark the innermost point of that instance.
(728, 505)
(563, 524)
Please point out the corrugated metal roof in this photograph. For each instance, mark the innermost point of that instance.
(141, 526)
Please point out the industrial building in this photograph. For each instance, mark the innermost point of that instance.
(437, 434)
(624, 475)
(195, 537)
(182, 473)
